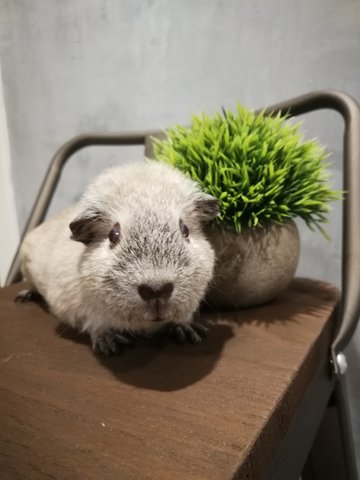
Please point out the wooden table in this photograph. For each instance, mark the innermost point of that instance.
(218, 410)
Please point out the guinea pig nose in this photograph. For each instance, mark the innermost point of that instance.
(166, 290)
(147, 292)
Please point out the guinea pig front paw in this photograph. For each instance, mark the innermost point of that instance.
(192, 332)
(111, 342)
(25, 296)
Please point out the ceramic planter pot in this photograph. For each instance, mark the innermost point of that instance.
(252, 267)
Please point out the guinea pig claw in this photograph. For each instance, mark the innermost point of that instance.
(178, 334)
(188, 332)
(112, 342)
(200, 329)
(192, 334)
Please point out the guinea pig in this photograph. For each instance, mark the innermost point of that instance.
(129, 258)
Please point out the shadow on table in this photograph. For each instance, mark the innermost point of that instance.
(164, 366)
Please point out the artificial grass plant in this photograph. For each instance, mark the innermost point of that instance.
(258, 166)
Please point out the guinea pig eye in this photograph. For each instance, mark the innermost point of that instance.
(184, 229)
(114, 234)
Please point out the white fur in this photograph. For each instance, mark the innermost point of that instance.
(94, 286)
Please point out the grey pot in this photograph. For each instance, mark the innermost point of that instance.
(252, 267)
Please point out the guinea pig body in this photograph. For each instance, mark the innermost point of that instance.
(134, 259)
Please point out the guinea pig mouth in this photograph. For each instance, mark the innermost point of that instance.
(157, 311)
(157, 319)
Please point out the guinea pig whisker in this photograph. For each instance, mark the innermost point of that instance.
(64, 329)
(209, 305)
(225, 294)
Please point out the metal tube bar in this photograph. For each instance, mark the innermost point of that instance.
(350, 291)
(347, 437)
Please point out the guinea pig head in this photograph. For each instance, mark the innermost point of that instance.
(151, 263)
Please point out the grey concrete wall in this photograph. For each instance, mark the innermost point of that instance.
(76, 66)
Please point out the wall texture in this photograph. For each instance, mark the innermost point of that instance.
(9, 238)
(71, 67)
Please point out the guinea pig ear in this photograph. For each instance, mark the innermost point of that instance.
(88, 227)
(206, 207)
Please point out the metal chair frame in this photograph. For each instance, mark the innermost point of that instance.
(349, 306)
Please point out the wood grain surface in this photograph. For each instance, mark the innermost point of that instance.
(213, 411)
